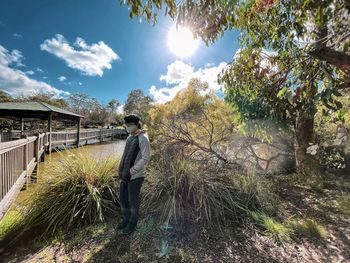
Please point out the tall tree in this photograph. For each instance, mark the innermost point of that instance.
(48, 97)
(308, 42)
(138, 103)
(5, 97)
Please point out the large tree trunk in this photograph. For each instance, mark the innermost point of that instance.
(304, 131)
(339, 59)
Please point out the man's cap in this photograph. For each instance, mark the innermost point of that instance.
(132, 118)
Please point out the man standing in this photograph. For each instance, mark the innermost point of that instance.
(136, 155)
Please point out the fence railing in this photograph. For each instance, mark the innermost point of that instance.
(20, 158)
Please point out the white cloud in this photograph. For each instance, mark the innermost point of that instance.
(17, 35)
(177, 71)
(14, 57)
(62, 78)
(91, 60)
(39, 70)
(207, 65)
(16, 82)
(80, 83)
(178, 76)
(120, 109)
(29, 72)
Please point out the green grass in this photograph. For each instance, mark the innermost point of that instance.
(76, 191)
(276, 230)
(285, 231)
(306, 227)
(179, 189)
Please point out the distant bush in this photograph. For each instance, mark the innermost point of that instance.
(77, 190)
(178, 188)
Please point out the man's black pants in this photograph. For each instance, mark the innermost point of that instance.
(130, 197)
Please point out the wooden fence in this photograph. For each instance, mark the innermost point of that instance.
(19, 159)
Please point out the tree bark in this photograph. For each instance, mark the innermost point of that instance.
(304, 131)
(339, 59)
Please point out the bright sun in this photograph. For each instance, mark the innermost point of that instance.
(181, 42)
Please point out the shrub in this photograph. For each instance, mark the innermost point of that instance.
(180, 188)
(77, 190)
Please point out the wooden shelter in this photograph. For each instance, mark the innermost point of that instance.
(31, 111)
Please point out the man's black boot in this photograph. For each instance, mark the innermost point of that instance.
(125, 218)
(132, 223)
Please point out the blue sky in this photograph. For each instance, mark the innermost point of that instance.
(97, 49)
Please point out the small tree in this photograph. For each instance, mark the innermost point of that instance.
(197, 123)
(138, 103)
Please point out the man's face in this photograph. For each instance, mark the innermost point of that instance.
(130, 127)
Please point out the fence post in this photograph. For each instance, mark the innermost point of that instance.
(50, 131)
(36, 147)
(101, 136)
(78, 131)
(112, 133)
(66, 139)
(25, 160)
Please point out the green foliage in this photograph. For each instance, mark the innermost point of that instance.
(289, 61)
(306, 227)
(286, 231)
(5, 97)
(179, 189)
(138, 103)
(78, 190)
(149, 9)
(196, 122)
(93, 111)
(338, 205)
(277, 231)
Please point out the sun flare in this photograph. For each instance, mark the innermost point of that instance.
(181, 41)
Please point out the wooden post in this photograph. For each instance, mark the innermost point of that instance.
(36, 153)
(101, 138)
(50, 130)
(36, 147)
(78, 133)
(22, 124)
(112, 134)
(25, 162)
(66, 139)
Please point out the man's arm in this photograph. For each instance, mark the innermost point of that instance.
(145, 149)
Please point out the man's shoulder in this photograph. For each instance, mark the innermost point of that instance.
(143, 136)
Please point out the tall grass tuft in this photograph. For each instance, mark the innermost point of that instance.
(306, 227)
(276, 230)
(76, 190)
(179, 189)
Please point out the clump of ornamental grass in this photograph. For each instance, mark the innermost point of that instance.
(76, 190)
(274, 229)
(306, 227)
(178, 188)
